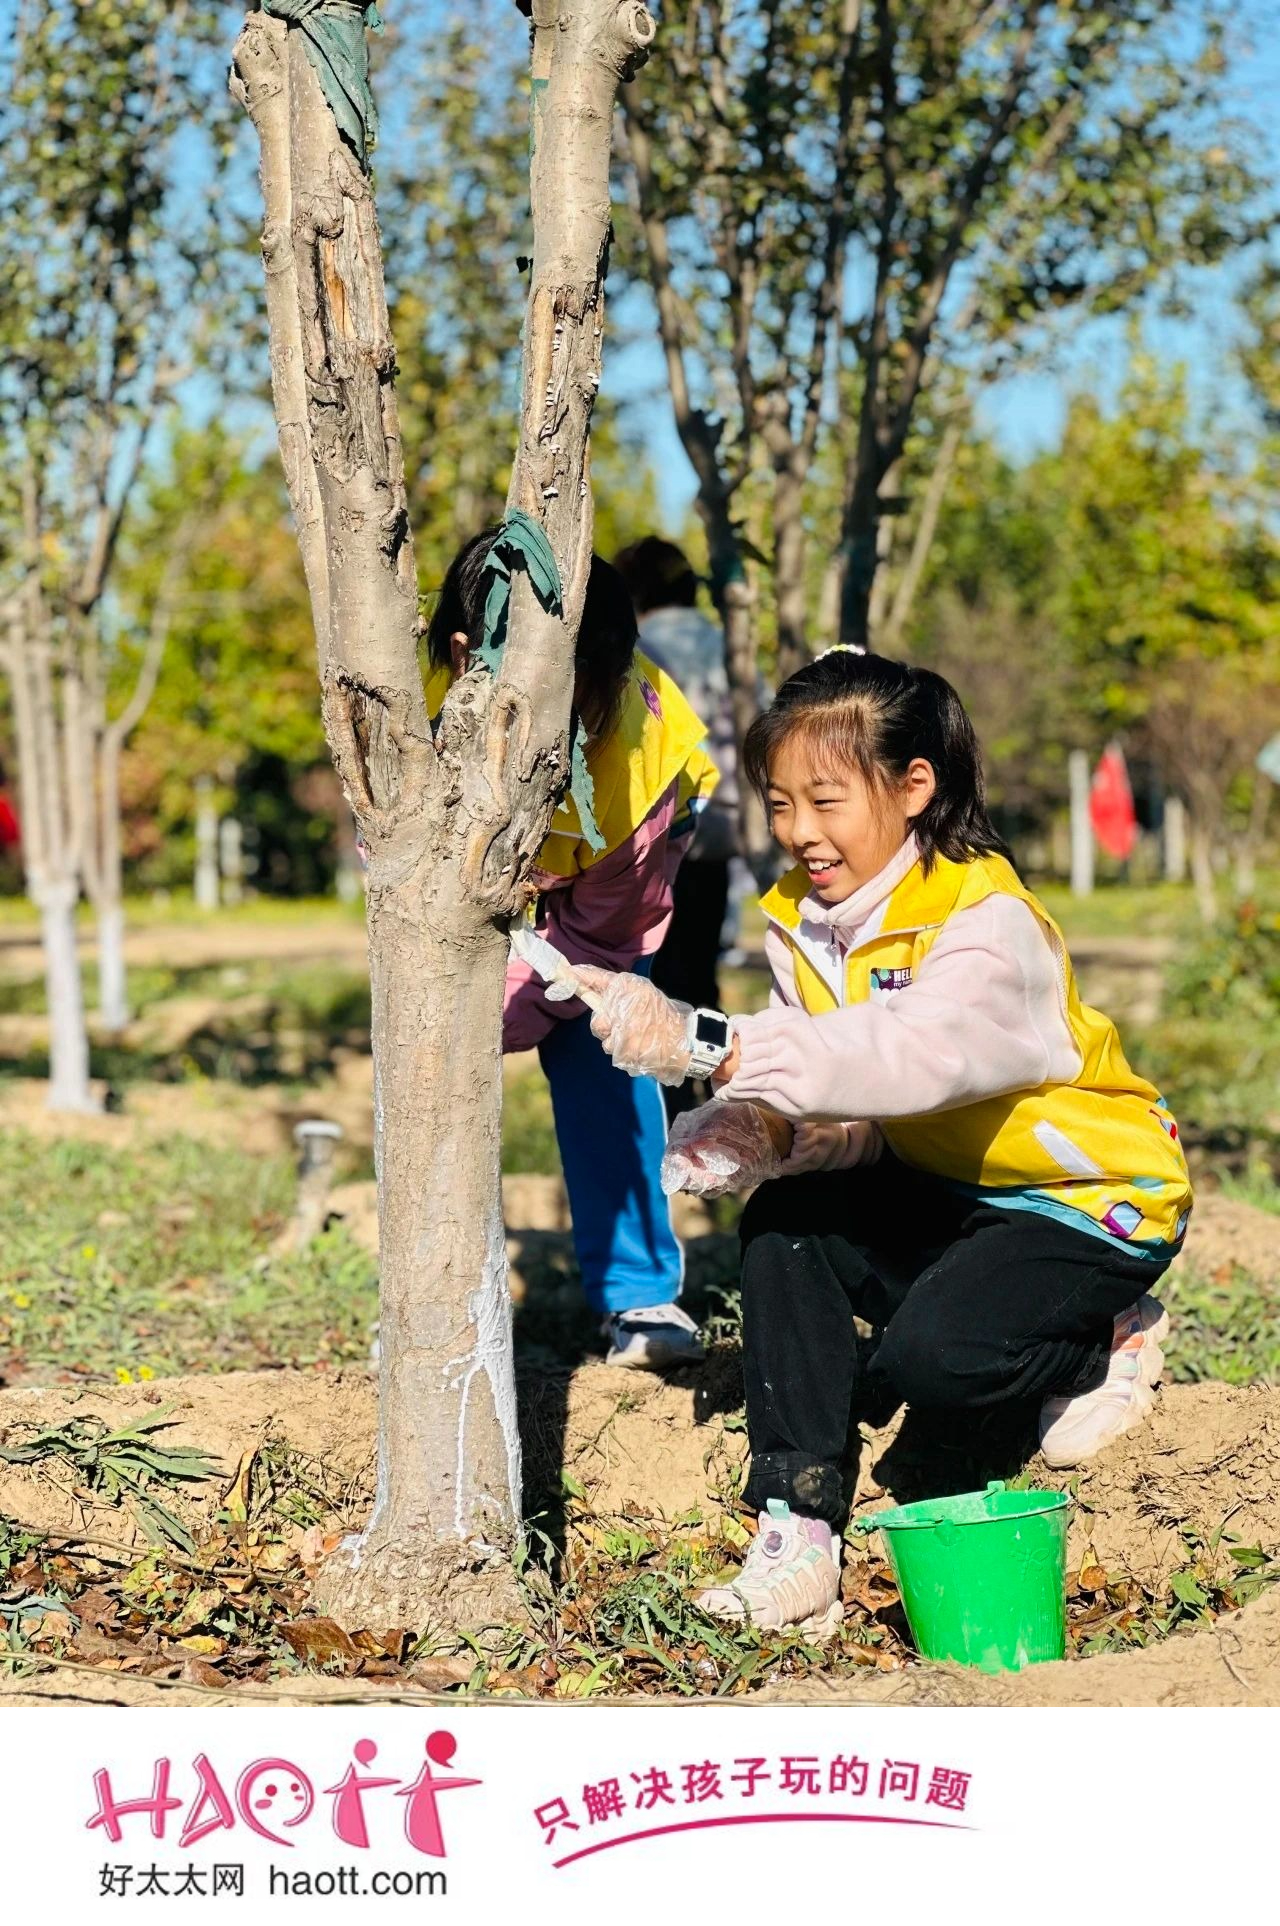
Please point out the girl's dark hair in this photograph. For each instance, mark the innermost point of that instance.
(607, 634)
(658, 574)
(867, 713)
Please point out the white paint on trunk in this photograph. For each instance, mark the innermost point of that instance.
(1175, 840)
(490, 1309)
(231, 860)
(206, 876)
(1081, 827)
(68, 1039)
(113, 990)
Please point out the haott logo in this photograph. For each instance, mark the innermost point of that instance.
(277, 1792)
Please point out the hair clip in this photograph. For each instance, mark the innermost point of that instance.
(841, 648)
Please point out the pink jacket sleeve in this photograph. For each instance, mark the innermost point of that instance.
(611, 915)
(984, 1017)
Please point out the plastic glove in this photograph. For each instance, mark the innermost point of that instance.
(722, 1147)
(644, 1032)
(831, 1146)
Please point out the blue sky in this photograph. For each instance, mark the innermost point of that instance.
(1025, 413)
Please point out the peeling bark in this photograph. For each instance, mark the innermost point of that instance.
(452, 822)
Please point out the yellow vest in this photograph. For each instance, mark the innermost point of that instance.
(1101, 1152)
(655, 742)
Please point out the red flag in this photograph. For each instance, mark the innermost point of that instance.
(1111, 808)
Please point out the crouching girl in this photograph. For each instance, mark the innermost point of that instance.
(972, 1166)
(607, 904)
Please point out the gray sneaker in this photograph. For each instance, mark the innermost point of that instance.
(652, 1338)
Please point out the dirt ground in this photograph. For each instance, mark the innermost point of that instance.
(648, 1448)
(642, 1447)
(205, 942)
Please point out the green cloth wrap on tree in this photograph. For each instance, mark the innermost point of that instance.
(334, 34)
(521, 543)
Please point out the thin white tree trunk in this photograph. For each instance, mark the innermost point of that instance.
(108, 897)
(1174, 837)
(68, 1042)
(206, 875)
(52, 879)
(105, 872)
(113, 991)
(1202, 876)
(231, 861)
(1081, 826)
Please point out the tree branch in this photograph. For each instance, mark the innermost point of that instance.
(926, 528)
(966, 197)
(837, 228)
(699, 441)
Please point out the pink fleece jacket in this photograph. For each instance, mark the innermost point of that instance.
(984, 1016)
(612, 914)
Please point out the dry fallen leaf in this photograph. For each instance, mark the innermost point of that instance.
(198, 1671)
(53, 1625)
(439, 1674)
(318, 1640)
(316, 1546)
(97, 1608)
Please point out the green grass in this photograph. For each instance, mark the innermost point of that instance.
(1228, 1330)
(1221, 1077)
(1143, 909)
(162, 909)
(1123, 909)
(160, 1262)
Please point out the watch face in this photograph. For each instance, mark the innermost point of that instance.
(712, 1029)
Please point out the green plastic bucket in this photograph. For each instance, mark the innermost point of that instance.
(982, 1575)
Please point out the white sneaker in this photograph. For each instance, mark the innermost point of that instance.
(652, 1337)
(786, 1580)
(1073, 1429)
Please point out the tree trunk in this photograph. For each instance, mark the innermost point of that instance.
(48, 854)
(788, 569)
(113, 992)
(68, 1041)
(1081, 825)
(1174, 838)
(885, 543)
(735, 605)
(1201, 848)
(1255, 831)
(206, 874)
(104, 741)
(231, 861)
(452, 819)
(908, 588)
(860, 552)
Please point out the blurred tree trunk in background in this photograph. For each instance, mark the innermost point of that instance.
(109, 289)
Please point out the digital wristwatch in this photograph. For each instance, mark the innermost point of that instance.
(710, 1034)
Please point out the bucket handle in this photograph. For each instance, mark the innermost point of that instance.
(868, 1525)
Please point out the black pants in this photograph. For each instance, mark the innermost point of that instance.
(975, 1307)
(685, 966)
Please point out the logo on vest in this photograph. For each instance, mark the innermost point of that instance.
(884, 983)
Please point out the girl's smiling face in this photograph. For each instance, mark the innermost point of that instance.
(833, 821)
